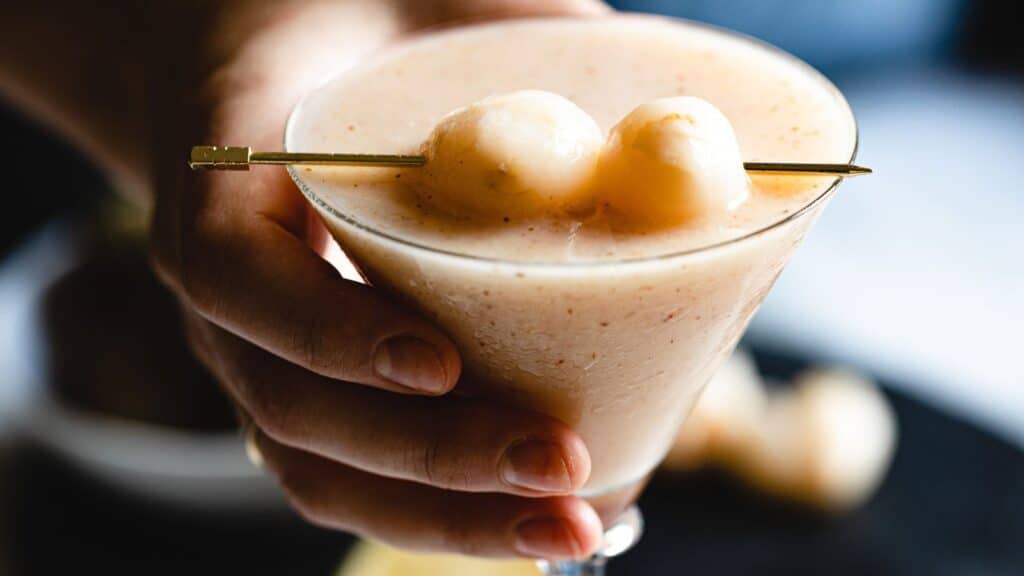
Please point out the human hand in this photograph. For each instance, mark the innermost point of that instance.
(347, 389)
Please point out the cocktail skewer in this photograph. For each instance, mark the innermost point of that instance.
(241, 157)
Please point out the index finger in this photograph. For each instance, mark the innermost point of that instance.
(245, 267)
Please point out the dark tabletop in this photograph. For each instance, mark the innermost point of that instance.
(952, 504)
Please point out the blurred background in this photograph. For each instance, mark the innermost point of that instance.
(110, 433)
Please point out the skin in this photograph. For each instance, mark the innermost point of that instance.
(360, 439)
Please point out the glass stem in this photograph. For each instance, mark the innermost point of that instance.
(621, 536)
(593, 566)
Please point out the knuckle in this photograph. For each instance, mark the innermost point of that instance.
(457, 449)
(195, 287)
(164, 248)
(303, 496)
(308, 341)
(199, 348)
(418, 453)
(204, 256)
(436, 458)
(193, 292)
(432, 453)
(324, 346)
(163, 265)
(274, 415)
(270, 407)
(457, 535)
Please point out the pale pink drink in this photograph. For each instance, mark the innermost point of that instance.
(613, 331)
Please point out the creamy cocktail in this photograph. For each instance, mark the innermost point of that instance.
(612, 325)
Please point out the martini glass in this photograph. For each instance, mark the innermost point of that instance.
(618, 348)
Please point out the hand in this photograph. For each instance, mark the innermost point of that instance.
(346, 388)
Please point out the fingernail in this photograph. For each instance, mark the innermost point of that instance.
(410, 362)
(548, 538)
(536, 465)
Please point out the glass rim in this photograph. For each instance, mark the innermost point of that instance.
(388, 237)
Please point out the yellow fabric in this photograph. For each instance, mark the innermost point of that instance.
(372, 559)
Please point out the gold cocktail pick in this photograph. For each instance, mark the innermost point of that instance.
(241, 157)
